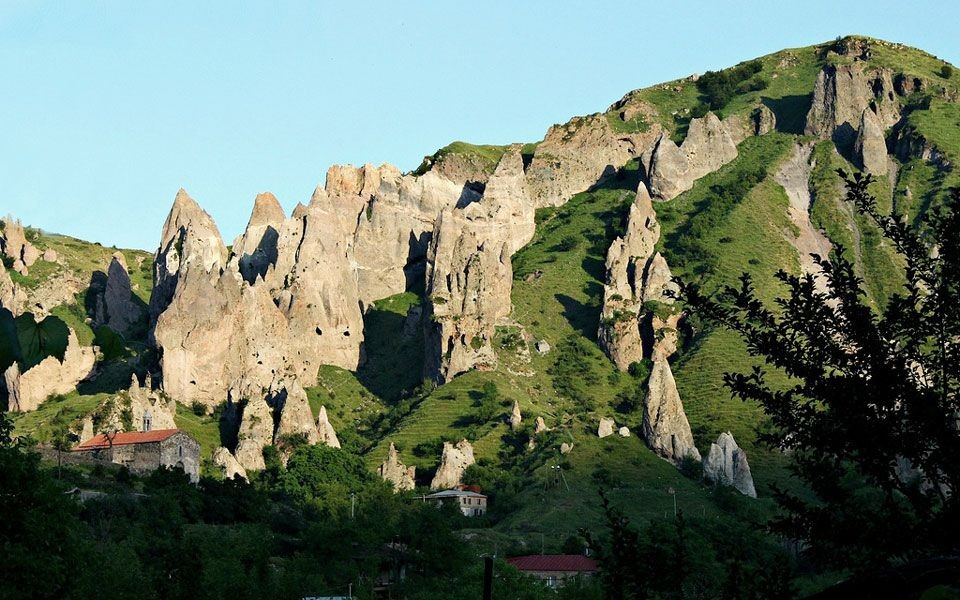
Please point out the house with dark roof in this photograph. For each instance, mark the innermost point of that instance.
(145, 451)
(555, 569)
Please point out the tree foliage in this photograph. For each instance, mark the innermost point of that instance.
(870, 416)
(719, 87)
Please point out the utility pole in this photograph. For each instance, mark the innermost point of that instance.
(487, 578)
(673, 493)
(353, 504)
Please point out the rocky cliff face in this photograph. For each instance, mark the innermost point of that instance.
(870, 146)
(577, 155)
(453, 462)
(392, 232)
(710, 144)
(469, 275)
(402, 477)
(221, 335)
(726, 464)
(840, 96)
(51, 376)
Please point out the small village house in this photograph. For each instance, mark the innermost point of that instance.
(555, 569)
(145, 451)
(471, 503)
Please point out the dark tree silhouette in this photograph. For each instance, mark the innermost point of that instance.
(870, 416)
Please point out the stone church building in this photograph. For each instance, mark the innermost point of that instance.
(144, 451)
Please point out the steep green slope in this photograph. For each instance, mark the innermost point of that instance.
(732, 221)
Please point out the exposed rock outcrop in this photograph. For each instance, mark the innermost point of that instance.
(515, 417)
(229, 466)
(220, 334)
(726, 464)
(12, 296)
(190, 241)
(327, 435)
(256, 250)
(870, 146)
(402, 477)
(764, 120)
(462, 168)
(665, 425)
(842, 93)
(619, 334)
(794, 176)
(389, 219)
(149, 408)
(469, 276)
(586, 150)
(606, 427)
(624, 431)
(539, 425)
(16, 247)
(635, 276)
(51, 376)
(296, 418)
(710, 144)
(113, 299)
(86, 430)
(453, 462)
(256, 432)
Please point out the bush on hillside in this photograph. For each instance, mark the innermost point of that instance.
(719, 87)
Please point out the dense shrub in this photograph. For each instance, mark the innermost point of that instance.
(718, 87)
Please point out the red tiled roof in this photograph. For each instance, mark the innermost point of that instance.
(554, 562)
(100, 441)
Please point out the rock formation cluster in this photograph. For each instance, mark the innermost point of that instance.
(469, 276)
(726, 464)
(635, 275)
(16, 247)
(710, 144)
(841, 94)
(577, 155)
(221, 335)
(273, 419)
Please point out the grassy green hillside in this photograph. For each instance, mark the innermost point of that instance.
(732, 221)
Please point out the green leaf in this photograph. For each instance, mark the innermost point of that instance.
(40, 340)
(9, 342)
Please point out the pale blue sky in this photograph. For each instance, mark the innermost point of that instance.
(107, 108)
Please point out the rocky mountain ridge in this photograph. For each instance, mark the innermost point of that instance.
(272, 330)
